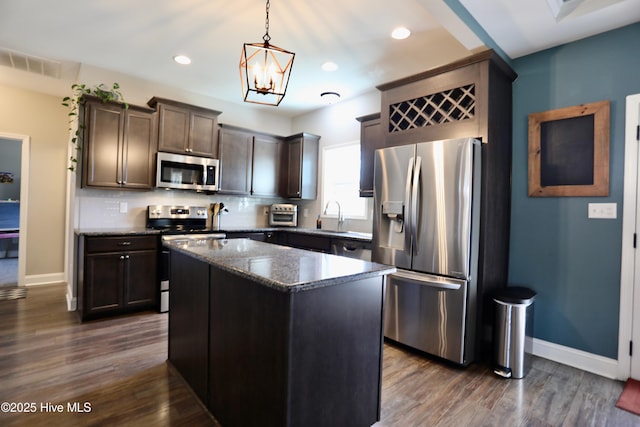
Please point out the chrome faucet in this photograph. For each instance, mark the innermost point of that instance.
(340, 217)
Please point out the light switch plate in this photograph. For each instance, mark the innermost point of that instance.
(603, 210)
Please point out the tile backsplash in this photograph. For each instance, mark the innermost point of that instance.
(107, 209)
(126, 209)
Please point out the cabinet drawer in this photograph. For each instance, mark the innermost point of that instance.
(120, 243)
(309, 242)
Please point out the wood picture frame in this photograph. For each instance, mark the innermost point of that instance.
(569, 151)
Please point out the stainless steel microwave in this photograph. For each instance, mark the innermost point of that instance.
(186, 172)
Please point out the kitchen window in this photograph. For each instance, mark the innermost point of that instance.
(341, 181)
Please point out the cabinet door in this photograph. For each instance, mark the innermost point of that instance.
(141, 279)
(235, 161)
(140, 137)
(267, 156)
(302, 178)
(103, 283)
(103, 145)
(309, 242)
(253, 235)
(173, 133)
(310, 148)
(371, 139)
(294, 170)
(203, 134)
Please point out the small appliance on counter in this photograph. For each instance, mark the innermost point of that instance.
(177, 223)
(283, 215)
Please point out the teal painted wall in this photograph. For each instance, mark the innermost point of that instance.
(572, 262)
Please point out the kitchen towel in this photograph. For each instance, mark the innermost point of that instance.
(629, 400)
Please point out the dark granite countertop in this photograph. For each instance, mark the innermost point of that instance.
(282, 268)
(115, 231)
(365, 237)
(353, 235)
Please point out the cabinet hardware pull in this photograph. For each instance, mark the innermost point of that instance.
(124, 244)
(121, 256)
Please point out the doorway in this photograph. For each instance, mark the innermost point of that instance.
(629, 330)
(14, 185)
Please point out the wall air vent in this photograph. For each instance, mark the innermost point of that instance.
(30, 63)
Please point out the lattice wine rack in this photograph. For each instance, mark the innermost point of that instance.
(451, 105)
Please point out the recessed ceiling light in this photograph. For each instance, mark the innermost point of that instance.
(182, 59)
(400, 33)
(330, 97)
(329, 66)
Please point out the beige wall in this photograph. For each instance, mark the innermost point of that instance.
(44, 120)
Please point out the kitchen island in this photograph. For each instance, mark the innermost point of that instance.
(276, 336)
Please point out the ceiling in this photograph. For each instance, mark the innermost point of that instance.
(140, 38)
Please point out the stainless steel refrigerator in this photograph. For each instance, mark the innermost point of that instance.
(426, 223)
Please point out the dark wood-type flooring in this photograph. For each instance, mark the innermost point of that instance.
(118, 367)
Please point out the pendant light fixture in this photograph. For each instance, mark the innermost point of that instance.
(265, 70)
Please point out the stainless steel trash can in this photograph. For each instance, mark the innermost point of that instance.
(513, 323)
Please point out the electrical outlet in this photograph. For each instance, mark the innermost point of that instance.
(305, 212)
(266, 210)
(124, 207)
(603, 210)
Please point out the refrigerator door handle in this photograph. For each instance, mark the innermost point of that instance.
(407, 200)
(445, 283)
(415, 204)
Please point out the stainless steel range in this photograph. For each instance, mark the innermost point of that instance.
(187, 223)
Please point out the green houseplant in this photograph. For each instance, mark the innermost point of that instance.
(104, 93)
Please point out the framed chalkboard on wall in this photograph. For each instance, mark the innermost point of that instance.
(569, 151)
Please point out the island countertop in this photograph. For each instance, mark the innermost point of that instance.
(280, 267)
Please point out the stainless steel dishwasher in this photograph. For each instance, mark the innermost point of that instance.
(351, 248)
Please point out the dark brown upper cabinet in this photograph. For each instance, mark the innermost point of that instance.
(186, 129)
(250, 162)
(301, 154)
(267, 165)
(370, 140)
(235, 154)
(119, 145)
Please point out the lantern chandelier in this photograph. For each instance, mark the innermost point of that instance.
(265, 70)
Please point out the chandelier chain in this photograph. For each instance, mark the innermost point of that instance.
(266, 36)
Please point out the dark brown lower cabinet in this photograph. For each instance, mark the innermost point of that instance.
(307, 358)
(189, 321)
(253, 235)
(117, 274)
(308, 242)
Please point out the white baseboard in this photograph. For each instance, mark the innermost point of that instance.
(589, 362)
(49, 279)
(44, 279)
(72, 302)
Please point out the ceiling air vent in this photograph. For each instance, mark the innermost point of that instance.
(562, 8)
(30, 63)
